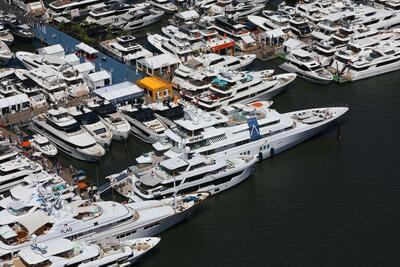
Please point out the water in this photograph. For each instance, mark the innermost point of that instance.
(323, 202)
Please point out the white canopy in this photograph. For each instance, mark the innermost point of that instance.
(34, 221)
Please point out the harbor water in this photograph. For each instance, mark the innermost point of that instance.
(331, 200)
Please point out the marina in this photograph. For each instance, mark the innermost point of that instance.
(133, 118)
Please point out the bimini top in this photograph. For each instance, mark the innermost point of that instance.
(120, 92)
(34, 221)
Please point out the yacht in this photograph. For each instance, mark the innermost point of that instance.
(50, 82)
(238, 87)
(240, 10)
(355, 63)
(6, 72)
(32, 7)
(32, 61)
(91, 122)
(76, 86)
(13, 169)
(125, 49)
(5, 35)
(230, 27)
(64, 252)
(138, 17)
(272, 22)
(5, 53)
(83, 220)
(305, 66)
(42, 145)
(22, 32)
(177, 46)
(30, 88)
(253, 130)
(76, 8)
(110, 13)
(145, 124)
(66, 133)
(166, 5)
(180, 175)
(110, 116)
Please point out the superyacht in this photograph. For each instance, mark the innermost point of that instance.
(66, 133)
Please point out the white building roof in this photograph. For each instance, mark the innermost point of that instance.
(51, 50)
(159, 61)
(188, 15)
(99, 76)
(72, 59)
(119, 91)
(85, 67)
(87, 49)
(274, 33)
(13, 100)
(292, 43)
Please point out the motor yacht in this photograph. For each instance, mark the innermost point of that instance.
(305, 66)
(240, 10)
(138, 17)
(30, 88)
(5, 35)
(111, 117)
(32, 61)
(253, 129)
(242, 87)
(74, 8)
(5, 53)
(110, 13)
(42, 145)
(67, 134)
(165, 5)
(64, 252)
(125, 49)
(84, 221)
(272, 22)
(92, 123)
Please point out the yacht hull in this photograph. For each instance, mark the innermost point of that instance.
(302, 74)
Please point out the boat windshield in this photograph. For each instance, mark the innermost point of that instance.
(87, 118)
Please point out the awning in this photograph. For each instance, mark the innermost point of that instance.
(34, 221)
(150, 180)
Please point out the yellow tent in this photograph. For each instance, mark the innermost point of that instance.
(155, 88)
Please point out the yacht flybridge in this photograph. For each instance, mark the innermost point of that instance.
(66, 133)
(305, 66)
(83, 220)
(237, 130)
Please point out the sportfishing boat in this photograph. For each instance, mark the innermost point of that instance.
(125, 49)
(242, 87)
(305, 66)
(177, 46)
(139, 16)
(66, 133)
(354, 63)
(22, 32)
(42, 145)
(83, 220)
(5, 53)
(253, 130)
(64, 252)
(92, 123)
(13, 169)
(110, 116)
(180, 175)
(145, 124)
(5, 35)
(6, 72)
(166, 5)
(50, 82)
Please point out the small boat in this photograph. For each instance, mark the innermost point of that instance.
(43, 145)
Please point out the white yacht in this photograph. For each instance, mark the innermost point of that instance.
(181, 175)
(83, 220)
(305, 66)
(64, 252)
(66, 133)
(5, 53)
(42, 144)
(177, 46)
(32, 61)
(113, 119)
(110, 13)
(240, 10)
(355, 63)
(237, 130)
(13, 169)
(272, 22)
(138, 17)
(242, 87)
(5, 35)
(166, 5)
(30, 88)
(92, 123)
(230, 27)
(6, 72)
(145, 124)
(125, 49)
(74, 8)
(76, 86)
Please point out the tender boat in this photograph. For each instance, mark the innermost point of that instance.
(43, 145)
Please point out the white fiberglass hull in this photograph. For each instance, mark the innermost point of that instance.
(304, 74)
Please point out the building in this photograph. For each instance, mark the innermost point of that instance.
(155, 88)
(53, 50)
(162, 65)
(14, 104)
(98, 79)
(120, 93)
